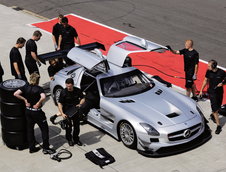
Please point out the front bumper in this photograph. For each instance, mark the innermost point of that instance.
(172, 150)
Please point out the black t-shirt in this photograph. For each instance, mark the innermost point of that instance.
(32, 93)
(52, 70)
(15, 57)
(56, 31)
(70, 98)
(30, 47)
(68, 35)
(214, 79)
(191, 58)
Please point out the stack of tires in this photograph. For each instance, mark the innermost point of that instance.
(13, 120)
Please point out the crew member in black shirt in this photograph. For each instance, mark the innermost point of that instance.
(1, 73)
(191, 61)
(56, 31)
(31, 53)
(69, 97)
(54, 67)
(33, 97)
(216, 78)
(16, 62)
(66, 38)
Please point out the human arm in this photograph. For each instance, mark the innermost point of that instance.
(18, 95)
(173, 51)
(205, 81)
(39, 103)
(78, 40)
(59, 42)
(60, 107)
(54, 42)
(81, 102)
(15, 65)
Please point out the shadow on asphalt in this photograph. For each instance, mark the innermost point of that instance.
(91, 137)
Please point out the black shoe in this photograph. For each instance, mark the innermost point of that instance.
(52, 118)
(35, 149)
(195, 98)
(212, 118)
(79, 143)
(71, 143)
(48, 151)
(218, 130)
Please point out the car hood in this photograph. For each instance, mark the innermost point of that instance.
(159, 106)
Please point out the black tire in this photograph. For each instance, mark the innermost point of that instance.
(7, 89)
(56, 94)
(127, 135)
(12, 109)
(13, 120)
(13, 124)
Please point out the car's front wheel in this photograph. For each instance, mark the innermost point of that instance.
(127, 135)
(56, 94)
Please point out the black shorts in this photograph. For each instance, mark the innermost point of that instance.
(188, 80)
(216, 100)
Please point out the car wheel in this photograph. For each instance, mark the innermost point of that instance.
(56, 95)
(127, 135)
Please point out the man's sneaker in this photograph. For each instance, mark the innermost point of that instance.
(195, 98)
(71, 143)
(218, 130)
(212, 118)
(35, 149)
(52, 118)
(79, 143)
(48, 151)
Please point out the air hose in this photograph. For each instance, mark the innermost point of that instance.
(62, 154)
(179, 77)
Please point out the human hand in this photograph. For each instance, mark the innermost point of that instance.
(64, 115)
(19, 76)
(200, 94)
(194, 77)
(220, 85)
(37, 105)
(27, 104)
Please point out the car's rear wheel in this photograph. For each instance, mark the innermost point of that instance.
(56, 94)
(127, 135)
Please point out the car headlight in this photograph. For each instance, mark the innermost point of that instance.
(150, 130)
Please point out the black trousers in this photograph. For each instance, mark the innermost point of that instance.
(31, 67)
(37, 117)
(73, 122)
(68, 61)
(0, 78)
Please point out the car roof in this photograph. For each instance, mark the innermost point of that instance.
(116, 70)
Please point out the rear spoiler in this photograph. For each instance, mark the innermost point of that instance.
(63, 53)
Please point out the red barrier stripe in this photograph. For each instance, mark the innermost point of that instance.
(90, 31)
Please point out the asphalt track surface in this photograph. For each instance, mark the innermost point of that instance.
(164, 22)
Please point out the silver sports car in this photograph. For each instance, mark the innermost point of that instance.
(141, 112)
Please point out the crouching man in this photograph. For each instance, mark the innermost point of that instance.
(33, 97)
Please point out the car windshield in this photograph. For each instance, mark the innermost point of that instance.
(126, 84)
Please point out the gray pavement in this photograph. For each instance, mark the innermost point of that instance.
(209, 157)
